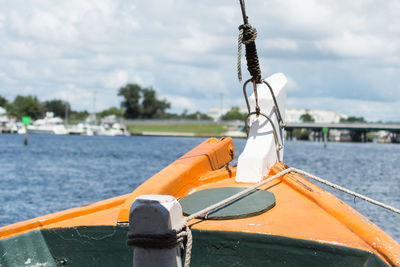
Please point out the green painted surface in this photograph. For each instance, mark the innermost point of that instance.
(106, 246)
(78, 246)
(28, 249)
(26, 120)
(89, 246)
(252, 204)
(241, 249)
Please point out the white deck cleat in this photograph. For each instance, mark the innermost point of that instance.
(261, 151)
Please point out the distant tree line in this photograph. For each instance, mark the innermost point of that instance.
(143, 103)
(137, 103)
(32, 107)
(353, 119)
(233, 115)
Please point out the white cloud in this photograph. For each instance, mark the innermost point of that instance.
(21, 69)
(180, 103)
(349, 45)
(280, 44)
(117, 79)
(187, 50)
(79, 97)
(292, 85)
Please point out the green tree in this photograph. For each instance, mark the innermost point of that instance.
(184, 113)
(197, 116)
(130, 104)
(111, 111)
(151, 106)
(3, 102)
(25, 106)
(307, 118)
(234, 114)
(141, 102)
(353, 119)
(56, 106)
(76, 116)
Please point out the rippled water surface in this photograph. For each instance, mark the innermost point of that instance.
(58, 172)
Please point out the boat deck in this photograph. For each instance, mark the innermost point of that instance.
(303, 211)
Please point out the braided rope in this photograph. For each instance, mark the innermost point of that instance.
(189, 243)
(247, 36)
(252, 34)
(167, 240)
(239, 57)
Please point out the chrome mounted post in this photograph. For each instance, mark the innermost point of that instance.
(276, 111)
(277, 144)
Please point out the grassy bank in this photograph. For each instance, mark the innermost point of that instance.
(197, 129)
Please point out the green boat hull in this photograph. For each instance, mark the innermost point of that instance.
(106, 246)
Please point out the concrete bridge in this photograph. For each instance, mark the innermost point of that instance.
(358, 131)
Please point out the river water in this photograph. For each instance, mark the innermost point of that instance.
(54, 173)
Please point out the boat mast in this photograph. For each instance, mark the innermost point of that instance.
(243, 7)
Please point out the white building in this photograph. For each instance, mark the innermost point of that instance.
(292, 115)
(3, 119)
(217, 112)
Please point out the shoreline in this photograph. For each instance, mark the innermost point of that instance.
(180, 134)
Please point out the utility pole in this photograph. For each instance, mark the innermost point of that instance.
(94, 104)
(66, 114)
(221, 105)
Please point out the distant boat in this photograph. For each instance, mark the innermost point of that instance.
(48, 125)
(81, 129)
(113, 129)
(107, 129)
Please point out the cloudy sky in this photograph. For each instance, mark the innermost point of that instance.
(338, 55)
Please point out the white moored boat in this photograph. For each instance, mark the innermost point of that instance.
(48, 125)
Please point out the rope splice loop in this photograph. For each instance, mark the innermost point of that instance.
(172, 239)
(247, 36)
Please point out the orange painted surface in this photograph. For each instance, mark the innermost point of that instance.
(177, 179)
(100, 213)
(303, 210)
(182, 175)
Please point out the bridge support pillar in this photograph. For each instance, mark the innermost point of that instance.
(289, 134)
(365, 137)
(395, 137)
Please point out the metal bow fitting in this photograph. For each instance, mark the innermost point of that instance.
(257, 112)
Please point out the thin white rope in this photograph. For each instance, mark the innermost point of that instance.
(207, 210)
(189, 244)
(220, 204)
(226, 201)
(239, 57)
(345, 190)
